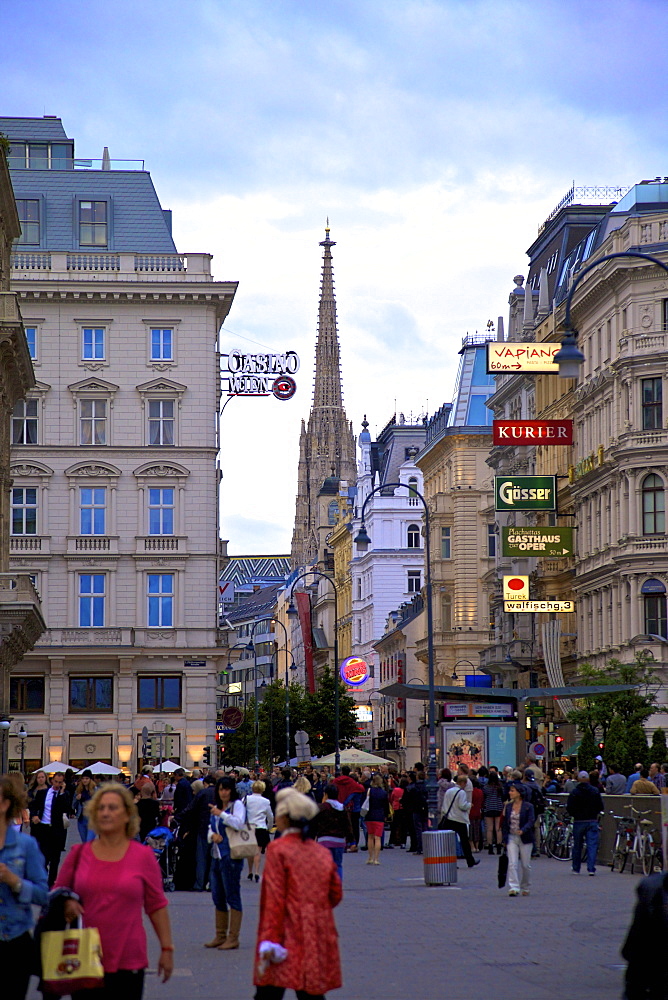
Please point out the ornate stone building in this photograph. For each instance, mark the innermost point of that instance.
(327, 443)
(21, 621)
(115, 484)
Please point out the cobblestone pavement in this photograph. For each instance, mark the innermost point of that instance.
(402, 940)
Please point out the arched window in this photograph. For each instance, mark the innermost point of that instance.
(413, 500)
(653, 593)
(413, 536)
(333, 512)
(653, 506)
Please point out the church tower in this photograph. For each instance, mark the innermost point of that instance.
(326, 443)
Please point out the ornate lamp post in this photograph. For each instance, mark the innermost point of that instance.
(23, 736)
(362, 542)
(292, 614)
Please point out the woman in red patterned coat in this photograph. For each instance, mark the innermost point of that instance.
(300, 888)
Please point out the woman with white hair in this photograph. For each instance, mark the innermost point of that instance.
(300, 888)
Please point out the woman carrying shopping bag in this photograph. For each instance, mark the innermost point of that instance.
(22, 884)
(227, 812)
(113, 881)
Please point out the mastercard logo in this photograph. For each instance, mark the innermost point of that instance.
(354, 671)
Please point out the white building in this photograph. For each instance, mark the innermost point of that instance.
(114, 464)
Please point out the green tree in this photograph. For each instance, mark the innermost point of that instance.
(659, 751)
(319, 716)
(616, 747)
(636, 740)
(273, 717)
(587, 752)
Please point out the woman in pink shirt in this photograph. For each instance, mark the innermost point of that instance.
(114, 880)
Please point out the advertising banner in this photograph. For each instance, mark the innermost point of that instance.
(525, 493)
(532, 432)
(507, 356)
(547, 542)
(536, 607)
(465, 746)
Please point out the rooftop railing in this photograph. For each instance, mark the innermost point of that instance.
(101, 265)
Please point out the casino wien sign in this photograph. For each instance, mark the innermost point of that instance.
(261, 374)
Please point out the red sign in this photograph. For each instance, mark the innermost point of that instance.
(532, 432)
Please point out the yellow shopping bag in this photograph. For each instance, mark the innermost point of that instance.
(71, 960)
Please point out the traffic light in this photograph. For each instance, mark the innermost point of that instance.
(206, 755)
(601, 745)
(168, 741)
(559, 741)
(154, 745)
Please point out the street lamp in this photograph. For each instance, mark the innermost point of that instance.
(4, 735)
(362, 542)
(255, 670)
(292, 614)
(570, 357)
(455, 678)
(23, 736)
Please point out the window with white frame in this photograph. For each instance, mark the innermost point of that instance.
(446, 543)
(92, 510)
(160, 594)
(28, 209)
(91, 600)
(162, 344)
(93, 224)
(413, 582)
(161, 421)
(413, 536)
(161, 511)
(93, 343)
(24, 510)
(31, 338)
(24, 422)
(93, 421)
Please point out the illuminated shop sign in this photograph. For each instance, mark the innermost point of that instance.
(506, 356)
(525, 493)
(354, 671)
(261, 374)
(532, 432)
(549, 542)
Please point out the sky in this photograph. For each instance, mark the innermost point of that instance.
(436, 135)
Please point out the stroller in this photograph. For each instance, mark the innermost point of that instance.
(162, 841)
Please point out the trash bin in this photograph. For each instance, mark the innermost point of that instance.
(439, 857)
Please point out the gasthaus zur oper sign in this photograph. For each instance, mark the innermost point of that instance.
(547, 542)
(507, 356)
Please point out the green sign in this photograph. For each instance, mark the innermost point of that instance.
(549, 542)
(525, 492)
(536, 711)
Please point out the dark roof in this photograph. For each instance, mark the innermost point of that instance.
(47, 129)
(256, 569)
(330, 487)
(137, 222)
(257, 605)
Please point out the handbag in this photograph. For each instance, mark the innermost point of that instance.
(243, 842)
(66, 821)
(502, 873)
(365, 805)
(71, 960)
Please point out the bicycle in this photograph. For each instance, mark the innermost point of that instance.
(548, 820)
(623, 841)
(644, 849)
(559, 844)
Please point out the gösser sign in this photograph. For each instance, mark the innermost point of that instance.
(261, 374)
(525, 492)
(549, 542)
(532, 432)
(506, 356)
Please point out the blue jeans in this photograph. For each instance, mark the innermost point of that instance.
(226, 883)
(82, 824)
(585, 829)
(202, 863)
(337, 854)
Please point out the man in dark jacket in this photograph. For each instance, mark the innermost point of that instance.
(195, 819)
(647, 974)
(585, 805)
(48, 810)
(415, 800)
(183, 793)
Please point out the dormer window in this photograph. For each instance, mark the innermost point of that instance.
(93, 224)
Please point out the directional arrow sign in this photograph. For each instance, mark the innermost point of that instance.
(508, 356)
(547, 542)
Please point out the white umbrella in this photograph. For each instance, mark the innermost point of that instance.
(100, 768)
(168, 766)
(52, 766)
(354, 757)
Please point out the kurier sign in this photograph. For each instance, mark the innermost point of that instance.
(507, 356)
(261, 374)
(525, 493)
(532, 432)
(548, 542)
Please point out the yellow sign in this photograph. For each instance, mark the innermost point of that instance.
(587, 464)
(507, 356)
(538, 606)
(515, 588)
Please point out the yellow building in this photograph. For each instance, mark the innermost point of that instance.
(340, 541)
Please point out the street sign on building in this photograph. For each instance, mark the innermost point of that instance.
(516, 588)
(525, 493)
(539, 606)
(507, 356)
(532, 432)
(548, 542)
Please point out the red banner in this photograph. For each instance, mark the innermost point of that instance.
(304, 609)
(532, 432)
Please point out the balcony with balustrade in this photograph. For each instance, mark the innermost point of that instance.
(21, 621)
(106, 266)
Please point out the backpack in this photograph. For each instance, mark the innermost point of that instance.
(538, 800)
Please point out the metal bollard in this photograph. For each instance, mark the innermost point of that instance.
(440, 857)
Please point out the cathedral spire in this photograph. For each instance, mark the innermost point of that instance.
(327, 382)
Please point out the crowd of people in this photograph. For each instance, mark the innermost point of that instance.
(112, 878)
